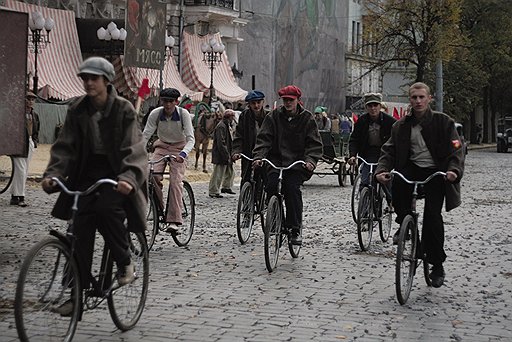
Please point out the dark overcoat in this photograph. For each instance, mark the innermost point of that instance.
(125, 150)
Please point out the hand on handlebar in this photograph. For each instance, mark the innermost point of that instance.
(451, 176)
(257, 163)
(49, 185)
(351, 160)
(309, 166)
(179, 159)
(383, 177)
(124, 188)
(235, 156)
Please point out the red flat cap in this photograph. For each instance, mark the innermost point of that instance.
(290, 91)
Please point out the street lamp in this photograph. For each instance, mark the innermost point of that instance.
(169, 43)
(212, 54)
(37, 39)
(110, 35)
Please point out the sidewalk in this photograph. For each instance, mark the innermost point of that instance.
(42, 155)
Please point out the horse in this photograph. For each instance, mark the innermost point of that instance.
(206, 121)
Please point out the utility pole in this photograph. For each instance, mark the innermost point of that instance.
(439, 85)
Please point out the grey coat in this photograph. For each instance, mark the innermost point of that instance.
(125, 151)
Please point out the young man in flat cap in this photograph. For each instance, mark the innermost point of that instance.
(289, 133)
(175, 132)
(371, 131)
(22, 162)
(101, 138)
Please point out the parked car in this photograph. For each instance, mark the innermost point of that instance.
(504, 136)
(460, 131)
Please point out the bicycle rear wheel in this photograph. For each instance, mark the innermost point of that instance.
(6, 173)
(188, 213)
(152, 222)
(126, 303)
(365, 219)
(405, 259)
(273, 224)
(354, 200)
(49, 277)
(386, 217)
(245, 212)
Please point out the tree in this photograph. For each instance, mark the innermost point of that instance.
(416, 32)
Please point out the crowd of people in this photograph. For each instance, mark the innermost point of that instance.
(101, 138)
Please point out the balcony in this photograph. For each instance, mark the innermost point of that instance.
(230, 4)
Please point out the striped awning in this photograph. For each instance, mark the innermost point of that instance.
(196, 74)
(58, 63)
(128, 80)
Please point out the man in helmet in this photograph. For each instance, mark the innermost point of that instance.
(175, 132)
(249, 124)
(288, 134)
(101, 138)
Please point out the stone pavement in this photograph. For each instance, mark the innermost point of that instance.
(217, 290)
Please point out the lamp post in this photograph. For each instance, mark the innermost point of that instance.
(38, 39)
(110, 35)
(169, 43)
(212, 55)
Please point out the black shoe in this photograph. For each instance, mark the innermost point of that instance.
(172, 228)
(395, 237)
(216, 196)
(14, 200)
(65, 309)
(228, 191)
(437, 275)
(296, 238)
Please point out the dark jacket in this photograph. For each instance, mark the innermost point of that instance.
(443, 142)
(284, 141)
(358, 142)
(222, 144)
(125, 150)
(36, 125)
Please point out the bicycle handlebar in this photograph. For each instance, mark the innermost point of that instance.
(438, 173)
(166, 158)
(243, 155)
(364, 161)
(284, 167)
(86, 192)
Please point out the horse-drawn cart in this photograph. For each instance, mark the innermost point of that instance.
(334, 158)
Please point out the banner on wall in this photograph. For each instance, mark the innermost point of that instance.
(145, 33)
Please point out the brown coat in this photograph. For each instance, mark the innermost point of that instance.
(125, 151)
(443, 142)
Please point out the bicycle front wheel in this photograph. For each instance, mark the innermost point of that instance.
(152, 222)
(48, 282)
(365, 219)
(245, 213)
(6, 173)
(188, 213)
(405, 259)
(273, 224)
(342, 174)
(126, 303)
(354, 199)
(386, 217)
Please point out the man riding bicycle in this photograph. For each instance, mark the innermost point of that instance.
(100, 138)
(371, 131)
(289, 133)
(175, 132)
(249, 124)
(421, 143)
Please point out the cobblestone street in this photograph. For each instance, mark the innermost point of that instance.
(218, 290)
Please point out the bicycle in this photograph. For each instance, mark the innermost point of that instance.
(410, 252)
(50, 277)
(275, 231)
(157, 211)
(6, 172)
(251, 205)
(373, 208)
